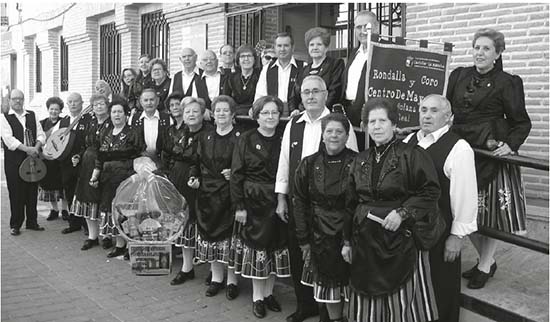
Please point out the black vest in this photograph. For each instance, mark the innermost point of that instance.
(353, 111)
(18, 156)
(439, 151)
(272, 78)
(296, 145)
(163, 125)
(178, 84)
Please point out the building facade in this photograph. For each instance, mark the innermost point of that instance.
(60, 48)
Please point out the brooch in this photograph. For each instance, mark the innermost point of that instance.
(295, 143)
(258, 147)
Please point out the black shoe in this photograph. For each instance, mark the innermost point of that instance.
(15, 232)
(89, 243)
(232, 291)
(116, 252)
(300, 315)
(478, 280)
(36, 228)
(258, 308)
(126, 255)
(272, 304)
(54, 214)
(470, 273)
(64, 215)
(213, 289)
(181, 277)
(107, 243)
(208, 279)
(70, 230)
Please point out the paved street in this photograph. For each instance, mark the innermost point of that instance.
(46, 277)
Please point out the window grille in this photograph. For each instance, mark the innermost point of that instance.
(245, 28)
(38, 59)
(64, 63)
(109, 58)
(155, 35)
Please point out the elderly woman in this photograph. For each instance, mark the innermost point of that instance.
(214, 210)
(131, 89)
(330, 69)
(87, 198)
(320, 212)
(51, 189)
(489, 112)
(160, 81)
(260, 231)
(241, 85)
(179, 154)
(391, 186)
(118, 146)
(103, 88)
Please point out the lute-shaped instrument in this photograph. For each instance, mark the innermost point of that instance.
(32, 169)
(59, 144)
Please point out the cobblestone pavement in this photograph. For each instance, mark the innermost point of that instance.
(46, 277)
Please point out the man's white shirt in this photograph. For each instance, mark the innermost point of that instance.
(459, 168)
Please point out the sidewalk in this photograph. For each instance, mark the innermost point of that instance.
(46, 277)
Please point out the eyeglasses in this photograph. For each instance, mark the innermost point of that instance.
(268, 57)
(99, 104)
(17, 98)
(314, 91)
(270, 113)
(246, 56)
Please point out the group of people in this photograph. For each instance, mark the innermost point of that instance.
(346, 225)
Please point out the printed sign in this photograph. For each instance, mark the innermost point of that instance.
(148, 259)
(406, 75)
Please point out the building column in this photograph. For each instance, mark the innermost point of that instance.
(127, 24)
(48, 43)
(84, 59)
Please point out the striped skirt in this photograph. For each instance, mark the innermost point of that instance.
(502, 205)
(332, 292)
(49, 195)
(256, 263)
(207, 251)
(107, 226)
(88, 210)
(413, 302)
(188, 237)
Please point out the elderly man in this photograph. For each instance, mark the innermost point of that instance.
(69, 173)
(278, 77)
(151, 125)
(212, 80)
(454, 161)
(227, 57)
(185, 81)
(301, 138)
(22, 136)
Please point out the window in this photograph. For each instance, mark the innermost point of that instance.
(38, 61)
(109, 57)
(155, 35)
(64, 63)
(245, 28)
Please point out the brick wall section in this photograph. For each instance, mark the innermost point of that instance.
(127, 21)
(271, 26)
(526, 31)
